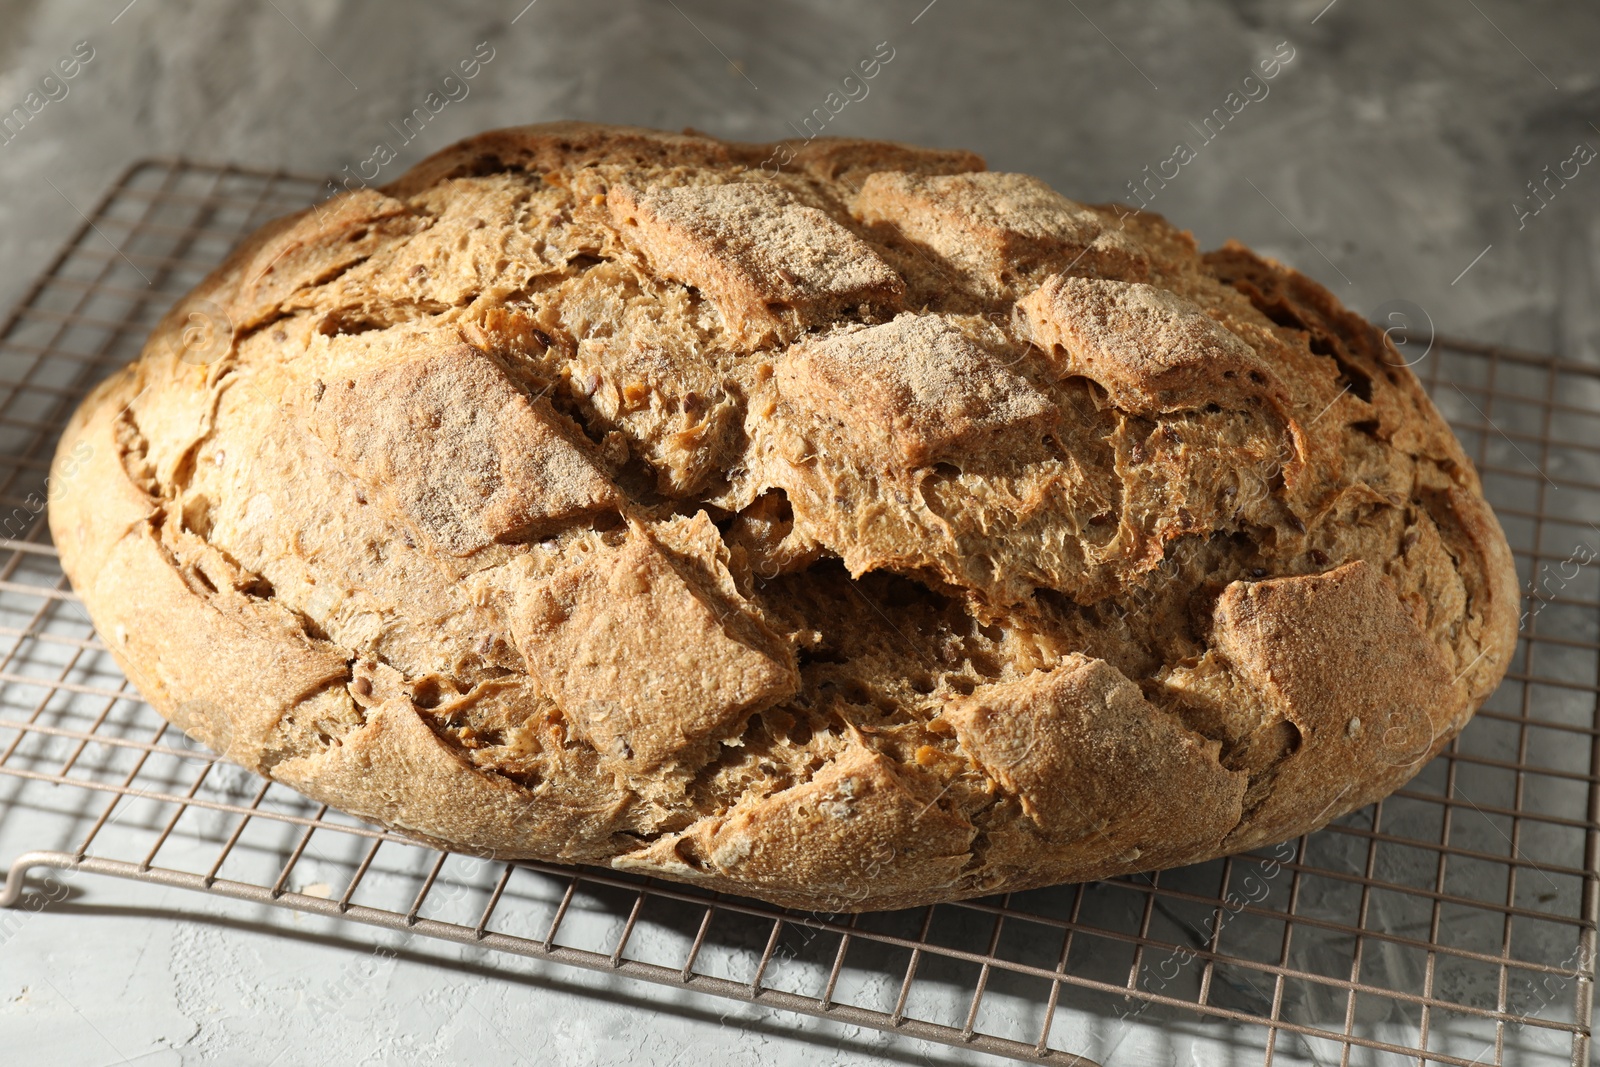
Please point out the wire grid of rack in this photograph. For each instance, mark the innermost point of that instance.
(1453, 923)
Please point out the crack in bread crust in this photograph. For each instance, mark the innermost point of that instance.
(876, 531)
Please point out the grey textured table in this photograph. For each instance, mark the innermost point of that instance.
(1402, 155)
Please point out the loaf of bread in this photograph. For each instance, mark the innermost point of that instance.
(858, 532)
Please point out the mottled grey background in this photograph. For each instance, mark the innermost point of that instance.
(1388, 156)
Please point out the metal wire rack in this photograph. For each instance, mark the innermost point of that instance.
(1453, 923)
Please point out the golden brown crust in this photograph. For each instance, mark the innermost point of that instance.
(643, 663)
(998, 226)
(833, 522)
(1338, 658)
(773, 265)
(1082, 722)
(912, 391)
(452, 448)
(1152, 350)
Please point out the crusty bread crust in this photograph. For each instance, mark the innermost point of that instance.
(873, 531)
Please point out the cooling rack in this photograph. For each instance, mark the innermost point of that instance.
(1453, 923)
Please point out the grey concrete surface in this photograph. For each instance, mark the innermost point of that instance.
(1394, 157)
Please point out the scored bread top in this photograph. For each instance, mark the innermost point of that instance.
(864, 532)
